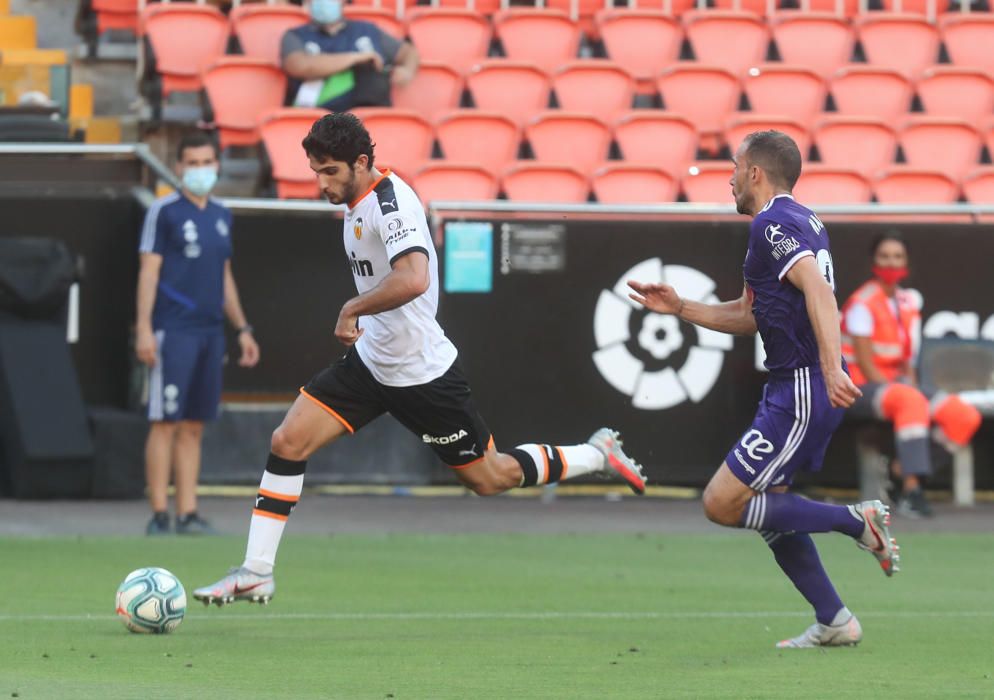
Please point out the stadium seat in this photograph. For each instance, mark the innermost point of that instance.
(384, 19)
(671, 8)
(865, 91)
(763, 8)
(820, 184)
(18, 32)
(950, 91)
(282, 130)
(484, 7)
(660, 139)
(640, 41)
(864, 145)
(921, 7)
(628, 183)
(185, 38)
(968, 39)
(581, 12)
(116, 14)
(397, 7)
(820, 41)
(460, 38)
(790, 91)
(240, 90)
(843, 8)
(582, 140)
(706, 95)
(744, 123)
(529, 181)
(436, 89)
(487, 139)
(547, 38)
(951, 146)
(903, 184)
(260, 28)
(519, 90)
(464, 182)
(595, 86)
(709, 182)
(978, 185)
(903, 42)
(736, 41)
(403, 137)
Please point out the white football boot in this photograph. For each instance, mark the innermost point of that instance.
(847, 634)
(876, 537)
(239, 584)
(617, 463)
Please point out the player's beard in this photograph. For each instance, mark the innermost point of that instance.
(349, 188)
(742, 203)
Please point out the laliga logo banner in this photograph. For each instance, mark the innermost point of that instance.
(645, 355)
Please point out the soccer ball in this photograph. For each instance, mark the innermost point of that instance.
(151, 600)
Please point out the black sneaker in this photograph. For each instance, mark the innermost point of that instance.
(158, 525)
(193, 524)
(914, 505)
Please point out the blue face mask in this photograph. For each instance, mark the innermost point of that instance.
(200, 181)
(326, 11)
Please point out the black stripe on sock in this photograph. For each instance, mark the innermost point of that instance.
(555, 464)
(284, 467)
(528, 467)
(274, 505)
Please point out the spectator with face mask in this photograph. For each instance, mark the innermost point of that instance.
(337, 64)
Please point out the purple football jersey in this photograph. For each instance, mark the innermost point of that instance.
(780, 235)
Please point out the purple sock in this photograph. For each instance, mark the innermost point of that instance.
(787, 512)
(797, 556)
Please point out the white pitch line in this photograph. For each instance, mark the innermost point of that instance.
(525, 616)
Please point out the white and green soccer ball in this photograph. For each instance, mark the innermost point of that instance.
(151, 600)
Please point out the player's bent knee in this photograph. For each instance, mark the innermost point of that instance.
(288, 445)
(718, 509)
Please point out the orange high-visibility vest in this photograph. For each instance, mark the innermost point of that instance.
(892, 336)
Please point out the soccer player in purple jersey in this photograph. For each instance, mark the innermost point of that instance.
(789, 297)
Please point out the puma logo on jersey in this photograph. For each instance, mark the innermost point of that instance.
(392, 203)
(361, 267)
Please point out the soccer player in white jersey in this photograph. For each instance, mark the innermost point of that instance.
(398, 361)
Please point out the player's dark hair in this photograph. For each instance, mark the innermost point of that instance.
(777, 154)
(194, 139)
(340, 136)
(882, 238)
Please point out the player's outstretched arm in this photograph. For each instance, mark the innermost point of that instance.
(408, 279)
(733, 317)
(823, 311)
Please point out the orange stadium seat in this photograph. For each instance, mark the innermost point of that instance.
(978, 185)
(18, 32)
(865, 91)
(241, 90)
(910, 185)
(484, 7)
(596, 86)
(403, 137)
(820, 41)
(260, 28)
(464, 182)
(820, 184)
(790, 91)
(843, 8)
(708, 182)
(968, 39)
(763, 8)
(903, 42)
(547, 38)
(116, 14)
(733, 40)
(397, 7)
(951, 146)
(488, 139)
(384, 19)
(706, 95)
(519, 90)
(640, 41)
(582, 140)
(460, 38)
(673, 8)
(919, 7)
(582, 12)
(660, 139)
(282, 130)
(864, 145)
(528, 181)
(744, 123)
(185, 38)
(950, 91)
(436, 89)
(628, 183)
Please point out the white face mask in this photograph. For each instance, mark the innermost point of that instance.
(326, 11)
(200, 181)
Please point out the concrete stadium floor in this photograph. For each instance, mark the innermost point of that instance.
(363, 514)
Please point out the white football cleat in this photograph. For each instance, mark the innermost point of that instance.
(876, 537)
(617, 463)
(239, 584)
(848, 634)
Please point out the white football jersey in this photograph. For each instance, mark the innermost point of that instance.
(405, 346)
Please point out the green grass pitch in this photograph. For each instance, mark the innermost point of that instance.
(498, 616)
